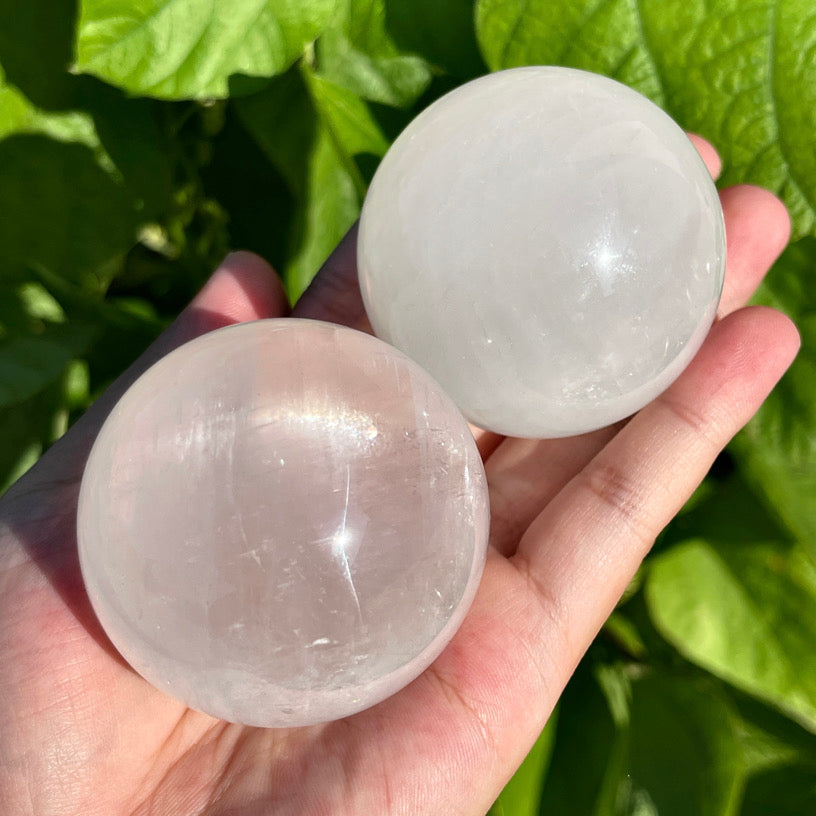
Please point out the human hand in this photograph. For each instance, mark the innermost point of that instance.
(571, 521)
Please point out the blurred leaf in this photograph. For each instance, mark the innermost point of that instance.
(92, 167)
(347, 118)
(624, 633)
(636, 741)
(778, 448)
(768, 737)
(589, 756)
(132, 147)
(18, 115)
(736, 73)
(40, 96)
(522, 793)
(36, 42)
(332, 202)
(684, 756)
(30, 363)
(39, 304)
(27, 432)
(359, 54)
(788, 791)
(746, 612)
(442, 33)
(253, 192)
(59, 209)
(730, 511)
(179, 49)
(310, 131)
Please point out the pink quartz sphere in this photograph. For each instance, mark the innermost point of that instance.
(283, 522)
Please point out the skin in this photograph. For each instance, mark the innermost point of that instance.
(572, 521)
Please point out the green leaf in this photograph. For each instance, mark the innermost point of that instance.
(347, 118)
(358, 53)
(310, 130)
(778, 448)
(522, 793)
(769, 739)
(788, 791)
(28, 364)
(254, 194)
(28, 429)
(588, 760)
(684, 756)
(61, 210)
(18, 115)
(179, 49)
(633, 741)
(745, 612)
(76, 181)
(731, 511)
(36, 43)
(736, 73)
(38, 95)
(442, 33)
(604, 37)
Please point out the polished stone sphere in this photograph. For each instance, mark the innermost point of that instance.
(548, 244)
(283, 522)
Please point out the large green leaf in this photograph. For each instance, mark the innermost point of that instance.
(737, 73)
(522, 793)
(632, 741)
(745, 611)
(61, 210)
(684, 756)
(347, 118)
(19, 115)
(177, 49)
(36, 41)
(38, 95)
(588, 760)
(78, 177)
(778, 448)
(359, 53)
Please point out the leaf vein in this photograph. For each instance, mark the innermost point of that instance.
(783, 149)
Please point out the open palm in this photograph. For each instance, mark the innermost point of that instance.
(81, 733)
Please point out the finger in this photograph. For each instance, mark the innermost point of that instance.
(524, 476)
(708, 154)
(583, 549)
(334, 294)
(757, 229)
(487, 442)
(243, 287)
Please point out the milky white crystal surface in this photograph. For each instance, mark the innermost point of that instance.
(548, 244)
(282, 522)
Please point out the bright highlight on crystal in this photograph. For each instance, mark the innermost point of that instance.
(283, 522)
(548, 244)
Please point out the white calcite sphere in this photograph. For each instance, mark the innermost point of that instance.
(548, 244)
(283, 522)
